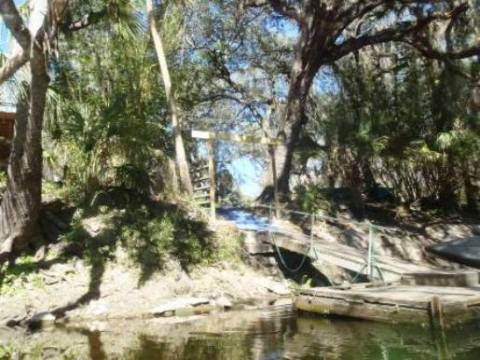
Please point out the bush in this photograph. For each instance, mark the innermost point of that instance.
(151, 235)
(149, 232)
(312, 198)
(3, 178)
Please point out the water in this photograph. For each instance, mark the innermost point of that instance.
(270, 334)
(244, 220)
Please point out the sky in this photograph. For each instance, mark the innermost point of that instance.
(4, 33)
(6, 90)
(248, 176)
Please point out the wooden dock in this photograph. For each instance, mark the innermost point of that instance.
(405, 292)
(443, 306)
(354, 260)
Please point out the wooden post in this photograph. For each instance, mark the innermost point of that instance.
(252, 138)
(370, 253)
(437, 324)
(275, 182)
(436, 314)
(211, 173)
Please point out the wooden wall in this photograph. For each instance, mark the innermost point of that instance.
(6, 134)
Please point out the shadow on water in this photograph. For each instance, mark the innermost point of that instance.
(276, 333)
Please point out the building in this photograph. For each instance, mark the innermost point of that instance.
(7, 116)
(7, 99)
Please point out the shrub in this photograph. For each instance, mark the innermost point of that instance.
(152, 234)
(312, 198)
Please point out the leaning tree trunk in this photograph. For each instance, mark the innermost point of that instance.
(180, 155)
(21, 202)
(310, 52)
(294, 120)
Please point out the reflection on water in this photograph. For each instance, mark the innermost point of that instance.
(268, 335)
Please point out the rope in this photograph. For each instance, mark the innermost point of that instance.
(370, 265)
(329, 218)
(282, 260)
(279, 253)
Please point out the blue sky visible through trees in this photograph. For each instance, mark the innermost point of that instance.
(247, 174)
(4, 33)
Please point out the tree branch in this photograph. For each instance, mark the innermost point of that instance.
(405, 32)
(12, 65)
(85, 21)
(15, 24)
(279, 6)
(357, 11)
(399, 33)
(426, 49)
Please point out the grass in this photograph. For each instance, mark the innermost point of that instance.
(6, 352)
(25, 269)
(3, 178)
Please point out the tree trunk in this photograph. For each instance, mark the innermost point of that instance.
(471, 190)
(21, 203)
(354, 183)
(447, 194)
(295, 119)
(180, 155)
(310, 54)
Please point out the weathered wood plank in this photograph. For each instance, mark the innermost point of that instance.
(396, 303)
(438, 278)
(361, 310)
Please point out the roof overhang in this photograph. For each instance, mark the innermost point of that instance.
(7, 115)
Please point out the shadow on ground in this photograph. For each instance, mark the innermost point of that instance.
(148, 231)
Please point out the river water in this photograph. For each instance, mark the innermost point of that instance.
(266, 334)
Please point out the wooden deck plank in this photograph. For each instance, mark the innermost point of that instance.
(395, 303)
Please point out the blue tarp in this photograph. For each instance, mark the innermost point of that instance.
(244, 220)
(462, 251)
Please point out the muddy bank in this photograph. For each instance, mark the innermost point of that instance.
(69, 292)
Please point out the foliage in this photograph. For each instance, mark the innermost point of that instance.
(106, 111)
(24, 269)
(312, 198)
(383, 117)
(228, 246)
(390, 125)
(6, 352)
(3, 178)
(152, 235)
